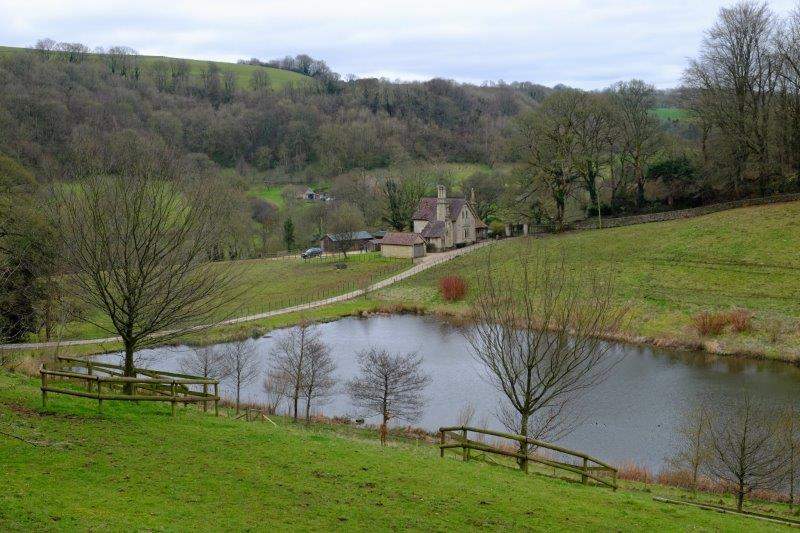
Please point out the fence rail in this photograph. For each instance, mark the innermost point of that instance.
(588, 468)
(104, 381)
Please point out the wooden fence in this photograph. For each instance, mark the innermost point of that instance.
(104, 381)
(587, 468)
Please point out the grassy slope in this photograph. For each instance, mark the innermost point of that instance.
(671, 270)
(270, 193)
(278, 77)
(271, 284)
(136, 468)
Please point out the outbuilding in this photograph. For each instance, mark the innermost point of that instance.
(405, 245)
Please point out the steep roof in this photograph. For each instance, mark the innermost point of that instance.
(402, 239)
(433, 229)
(426, 210)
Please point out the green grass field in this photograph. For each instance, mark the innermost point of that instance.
(278, 77)
(136, 468)
(267, 284)
(669, 271)
(671, 113)
(270, 193)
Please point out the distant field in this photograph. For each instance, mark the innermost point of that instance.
(671, 113)
(270, 193)
(278, 77)
(669, 271)
(268, 284)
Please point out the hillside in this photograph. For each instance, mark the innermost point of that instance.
(277, 77)
(137, 468)
(669, 271)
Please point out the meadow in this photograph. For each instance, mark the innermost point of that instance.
(137, 468)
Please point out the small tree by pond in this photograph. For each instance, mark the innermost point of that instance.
(746, 450)
(538, 332)
(241, 363)
(301, 359)
(693, 450)
(389, 385)
(204, 361)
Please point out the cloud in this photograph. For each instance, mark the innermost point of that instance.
(585, 43)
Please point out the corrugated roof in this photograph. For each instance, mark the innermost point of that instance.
(356, 236)
(402, 239)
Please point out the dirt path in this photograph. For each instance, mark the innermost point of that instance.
(424, 264)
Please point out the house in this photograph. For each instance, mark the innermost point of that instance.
(404, 245)
(447, 222)
(357, 241)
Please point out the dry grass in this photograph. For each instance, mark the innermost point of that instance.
(709, 324)
(740, 320)
(453, 288)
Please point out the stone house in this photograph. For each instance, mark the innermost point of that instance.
(405, 245)
(447, 222)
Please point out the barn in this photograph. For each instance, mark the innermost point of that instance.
(405, 245)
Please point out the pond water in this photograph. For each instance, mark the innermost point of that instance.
(631, 416)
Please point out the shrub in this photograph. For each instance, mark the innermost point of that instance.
(710, 323)
(634, 472)
(740, 319)
(453, 288)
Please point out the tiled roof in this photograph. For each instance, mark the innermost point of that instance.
(433, 230)
(427, 208)
(402, 239)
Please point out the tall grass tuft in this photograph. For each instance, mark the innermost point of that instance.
(453, 288)
(710, 323)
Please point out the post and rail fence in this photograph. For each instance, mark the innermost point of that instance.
(587, 468)
(104, 381)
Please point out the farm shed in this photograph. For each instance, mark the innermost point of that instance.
(406, 245)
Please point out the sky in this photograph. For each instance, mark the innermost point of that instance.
(581, 43)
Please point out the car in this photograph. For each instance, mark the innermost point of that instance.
(311, 252)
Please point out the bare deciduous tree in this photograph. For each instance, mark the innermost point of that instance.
(276, 389)
(746, 449)
(538, 333)
(693, 450)
(389, 385)
(241, 364)
(300, 356)
(344, 223)
(204, 361)
(138, 251)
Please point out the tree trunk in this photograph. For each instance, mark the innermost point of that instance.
(296, 399)
(740, 498)
(384, 431)
(238, 389)
(128, 369)
(523, 446)
(308, 409)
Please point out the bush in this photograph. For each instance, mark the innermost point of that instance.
(740, 319)
(453, 288)
(710, 323)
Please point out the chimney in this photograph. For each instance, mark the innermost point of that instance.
(472, 196)
(441, 203)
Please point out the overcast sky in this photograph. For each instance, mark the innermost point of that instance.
(582, 43)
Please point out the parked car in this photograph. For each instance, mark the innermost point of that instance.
(311, 252)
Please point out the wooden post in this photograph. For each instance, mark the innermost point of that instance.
(205, 394)
(584, 479)
(173, 397)
(99, 397)
(44, 385)
(615, 480)
(89, 380)
(441, 443)
(216, 399)
(464, 449)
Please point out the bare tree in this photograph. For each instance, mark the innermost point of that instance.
(318, 380)
(241, 363)
(389, 385)
(204, 361)
(538, 332)
(276, 389)
(637, 130)
(292, 357)
(746, 449)
(138, 253)
(693, 450)
(790, 442)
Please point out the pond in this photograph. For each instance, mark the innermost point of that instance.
(631, 416)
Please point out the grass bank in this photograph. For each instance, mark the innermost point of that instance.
(137, 468)
(269, 284)
(669, 272)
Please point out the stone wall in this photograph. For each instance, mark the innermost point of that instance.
(682, 213)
